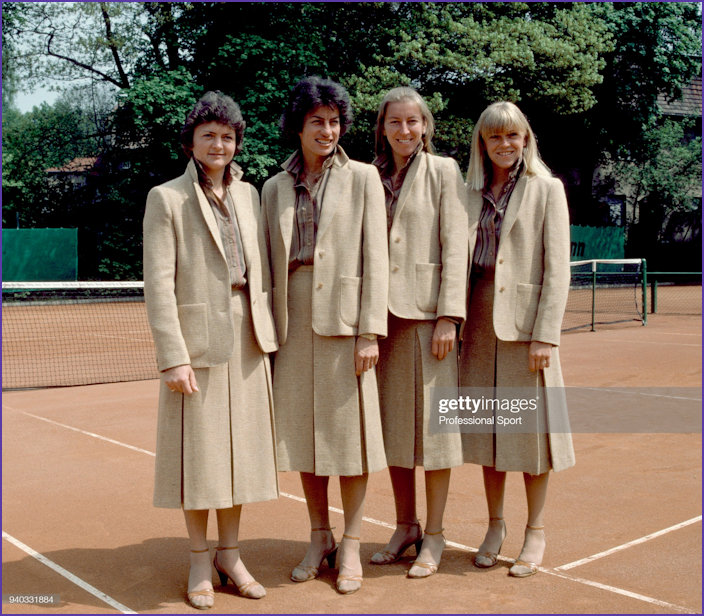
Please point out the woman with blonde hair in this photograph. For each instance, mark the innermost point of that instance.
(519, 281)
(206, 285)
(427, 227)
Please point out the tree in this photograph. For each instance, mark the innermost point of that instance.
(587, 75)
(663, 186)
(48, 136)
(69, 41)
(657, 49)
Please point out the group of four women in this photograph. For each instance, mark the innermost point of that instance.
(359, 277)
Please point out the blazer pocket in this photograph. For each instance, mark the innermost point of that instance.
(193, 319)
(350, 299)
(527, 298)
(427, 286)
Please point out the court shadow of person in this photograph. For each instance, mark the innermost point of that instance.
(142, 577)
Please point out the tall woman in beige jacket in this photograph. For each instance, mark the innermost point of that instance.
(206, 284)
(519, 227)
(427, 227)
(323, 221)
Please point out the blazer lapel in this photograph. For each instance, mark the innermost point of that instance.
(287, 211)
(242, 198)
(513, 207)
(338, 174)
(205, 208)
(417, 169)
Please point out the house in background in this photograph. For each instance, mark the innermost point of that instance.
(671, 229)
(75, 171)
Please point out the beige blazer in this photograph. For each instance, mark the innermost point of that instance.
(427, 242)
(350, 262)
(186, 277)
(532, 262)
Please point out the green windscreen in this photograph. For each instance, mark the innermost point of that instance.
(39, 254)
(596, 243)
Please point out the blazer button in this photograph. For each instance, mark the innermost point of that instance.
(397, 240)
(321, 253)
(395, 268)
(320, 285)
(501, 290)
(501, 260)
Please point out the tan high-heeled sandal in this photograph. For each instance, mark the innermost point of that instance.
(305, 573)
(486, 559)
(347, 584)
(387, 557)
(422, 569)
(250, 590)
(524, 568)
(201, 599)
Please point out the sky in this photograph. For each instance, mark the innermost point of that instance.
(25, 101)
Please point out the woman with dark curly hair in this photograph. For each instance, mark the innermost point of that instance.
(206, 285)
(324, 225)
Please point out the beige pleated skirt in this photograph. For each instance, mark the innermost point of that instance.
(216, 448)
(406, 372)
(486, 361)
(327, 418)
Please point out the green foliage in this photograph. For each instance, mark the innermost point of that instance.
(587, 71)
(151, 113)
(48, 136)
(666, 180)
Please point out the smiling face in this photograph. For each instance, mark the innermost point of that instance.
(214, 147)
(404, 127)
(504, 148)
(319, 135)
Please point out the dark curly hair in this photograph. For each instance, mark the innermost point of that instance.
(309, 94)
(214, 106)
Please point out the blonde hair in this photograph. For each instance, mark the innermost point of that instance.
(500, 117)
(382, 149)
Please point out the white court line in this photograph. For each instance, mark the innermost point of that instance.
(614, 589)
(639, 393)
(556, 571)
(93, 434)
(68, 575)
(621, 591)
(624, 546)
(698, 334)
(650, 342)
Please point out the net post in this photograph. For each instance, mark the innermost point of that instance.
(644, 271)
(654, 295)
(593, 295)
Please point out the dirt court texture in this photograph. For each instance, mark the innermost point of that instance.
(623, 526)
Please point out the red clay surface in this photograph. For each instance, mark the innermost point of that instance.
(84, 503)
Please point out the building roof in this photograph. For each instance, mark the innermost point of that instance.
(77, 165)
(689, 105)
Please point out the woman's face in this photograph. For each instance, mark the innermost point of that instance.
(214, 146)
(505, 147)
(404, 127)
(320, 132)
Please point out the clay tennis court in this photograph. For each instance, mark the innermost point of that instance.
(623, 526)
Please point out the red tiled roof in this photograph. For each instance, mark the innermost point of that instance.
(689, 105)
(77, 165)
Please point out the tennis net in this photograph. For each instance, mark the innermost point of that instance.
(605, 291)
(75, 333)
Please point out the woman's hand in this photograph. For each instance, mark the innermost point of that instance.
(366, 355)
(181, 379)
(443, 338)
(539, 355)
